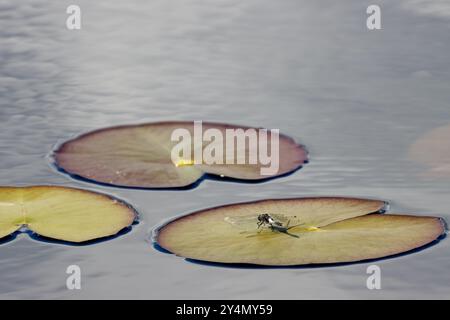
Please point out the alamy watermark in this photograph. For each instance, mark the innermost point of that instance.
(237, 147)
(73, 281)
(373, 21)
(374, 280)
(73, 21)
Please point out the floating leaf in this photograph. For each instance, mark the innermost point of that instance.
(140, 156)
(62, 213)
(433, 150)
(334, 230)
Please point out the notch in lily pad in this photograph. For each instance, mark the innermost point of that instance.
(320, 231)
(62, 213)
(141, 156)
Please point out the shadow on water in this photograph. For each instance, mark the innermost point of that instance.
(191, 186)
(9, 238)
(40, 238)
(157, 247)
(214, 177)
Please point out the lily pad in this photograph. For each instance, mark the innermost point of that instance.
(61, 213)
(433, 150)
(332, 230)
(139, 156)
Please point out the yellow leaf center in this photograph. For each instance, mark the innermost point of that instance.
(183, 162)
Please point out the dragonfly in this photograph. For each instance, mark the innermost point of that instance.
(255, 224)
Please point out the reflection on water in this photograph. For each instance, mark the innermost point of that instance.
(433, 150)
(357, 98)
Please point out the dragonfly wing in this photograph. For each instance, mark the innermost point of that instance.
(285, 219)
(248, 223)
(251, 234)
(248, 226)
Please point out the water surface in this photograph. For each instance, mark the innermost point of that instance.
(357, 98)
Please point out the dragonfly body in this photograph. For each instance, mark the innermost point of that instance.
(266, 219)
(257, 224)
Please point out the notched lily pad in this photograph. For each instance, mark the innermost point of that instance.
(62, 213)
(323, 230)
(139, 156)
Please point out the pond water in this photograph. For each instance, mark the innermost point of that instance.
(357, 98)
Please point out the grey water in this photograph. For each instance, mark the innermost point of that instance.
(358, 99)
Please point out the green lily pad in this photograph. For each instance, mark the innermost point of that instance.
(62, 213)
(323, 230)
(139, 156)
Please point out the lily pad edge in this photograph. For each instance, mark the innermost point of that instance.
(157, 246)
(37, 237)
(59, 147)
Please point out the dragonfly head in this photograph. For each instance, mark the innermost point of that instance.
(264, 217)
